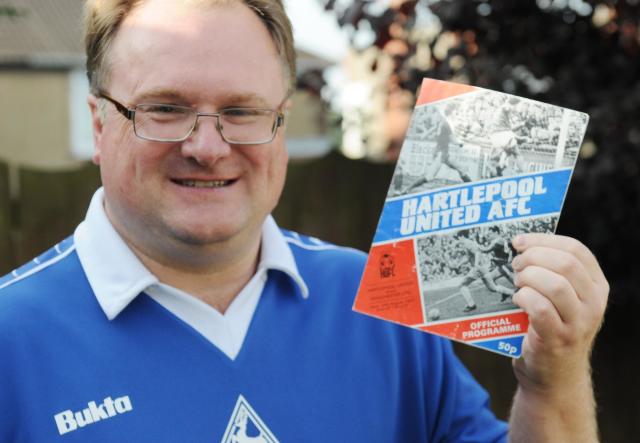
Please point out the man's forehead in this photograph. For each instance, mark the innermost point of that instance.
(191, 22)
(186, 4)
(168, 12)
(154, 22)
(165, 44)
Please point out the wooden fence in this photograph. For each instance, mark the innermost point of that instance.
(6, 253)
(50, 205)
(332, 198)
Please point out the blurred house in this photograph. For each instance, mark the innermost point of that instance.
(307, 125)
(43, 117)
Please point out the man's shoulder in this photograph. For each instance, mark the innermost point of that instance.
(312, 247)
(39, 276)
(323, 263)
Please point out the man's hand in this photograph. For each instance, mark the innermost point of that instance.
(564, 291)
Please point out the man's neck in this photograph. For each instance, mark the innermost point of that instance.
(213, 273)
(217, 286)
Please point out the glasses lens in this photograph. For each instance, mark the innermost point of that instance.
(164, 122)
(248, 126)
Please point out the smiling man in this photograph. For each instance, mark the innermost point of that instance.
(179, 312)
(192, 208)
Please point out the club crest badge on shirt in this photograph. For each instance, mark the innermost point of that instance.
(245, 426)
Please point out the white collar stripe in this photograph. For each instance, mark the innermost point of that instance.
(29, 269)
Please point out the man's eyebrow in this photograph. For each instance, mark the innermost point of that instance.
(227, 99)
(245, 98)
(164, 94)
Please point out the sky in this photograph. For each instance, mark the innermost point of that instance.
(316, 31)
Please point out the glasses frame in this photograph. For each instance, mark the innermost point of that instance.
(130, 113)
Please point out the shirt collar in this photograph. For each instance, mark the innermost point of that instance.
(117, 276)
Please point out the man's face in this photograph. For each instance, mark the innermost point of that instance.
(210, 59)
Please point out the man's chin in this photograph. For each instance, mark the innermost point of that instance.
(213, 234)
(202, 238)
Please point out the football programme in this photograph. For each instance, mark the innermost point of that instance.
(476, 168)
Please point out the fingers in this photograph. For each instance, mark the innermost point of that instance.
(569, 245)
(544, 319)
(560, 263)
(562, 287)
(560, 293)
(568, 258)
(557, 330)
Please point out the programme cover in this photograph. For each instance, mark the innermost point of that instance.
(476, 168)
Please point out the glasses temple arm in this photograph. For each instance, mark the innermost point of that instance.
(126, 112)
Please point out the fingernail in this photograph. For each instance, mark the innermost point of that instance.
(518, 241)
(516, 263)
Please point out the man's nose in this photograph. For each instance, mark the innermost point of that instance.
(205, 144)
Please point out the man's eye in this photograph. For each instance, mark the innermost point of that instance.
(241, 112)
(162, 109)
(164, 113)
(245, 116)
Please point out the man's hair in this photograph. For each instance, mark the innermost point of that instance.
(103, 19)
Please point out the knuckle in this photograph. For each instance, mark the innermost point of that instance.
(557, 285)
(574, 246)
(567, 265)
(597, 312)
(542, 310)
(567, 335)
(601, 306)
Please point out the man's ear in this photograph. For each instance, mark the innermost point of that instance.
(97, 125)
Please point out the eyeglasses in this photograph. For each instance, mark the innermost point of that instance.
(173, 123)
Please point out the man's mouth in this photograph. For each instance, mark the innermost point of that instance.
(203, 183)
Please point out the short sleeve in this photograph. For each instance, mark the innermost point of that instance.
(464, 413)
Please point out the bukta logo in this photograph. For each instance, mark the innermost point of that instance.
(68, 421)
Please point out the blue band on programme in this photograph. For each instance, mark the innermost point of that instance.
(459, 207)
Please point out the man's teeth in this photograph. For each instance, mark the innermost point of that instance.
(204, 183)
